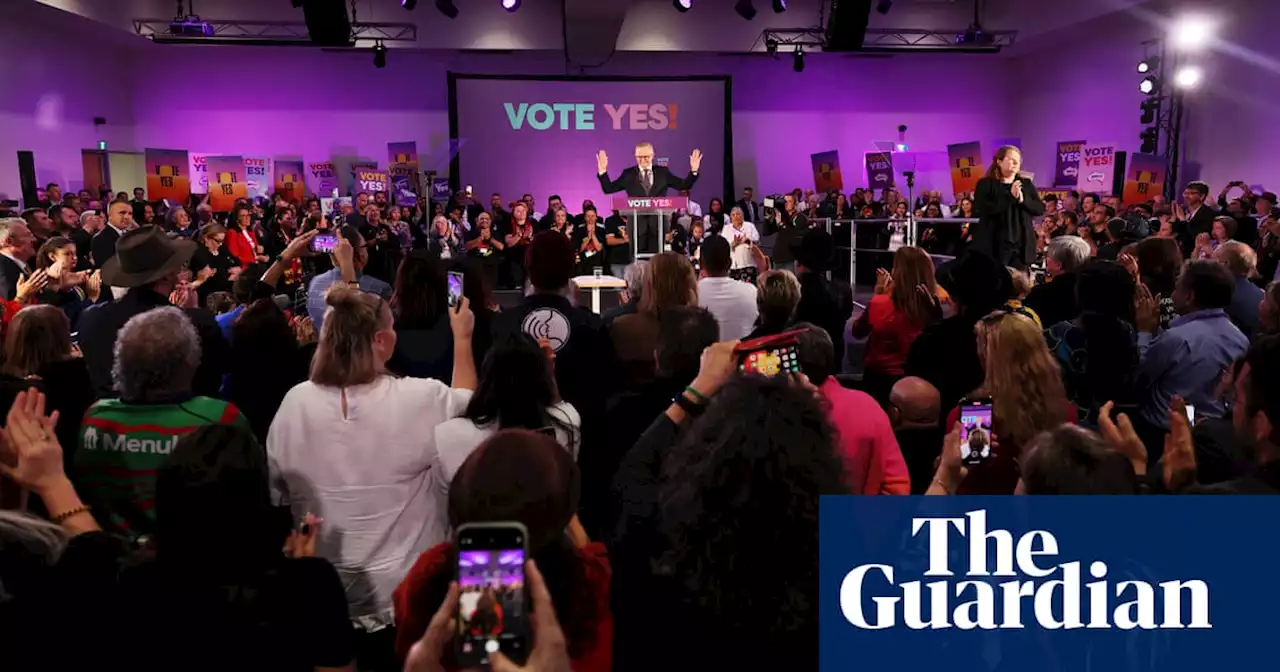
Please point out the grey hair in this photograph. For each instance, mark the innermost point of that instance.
(739, 211)
(1069, 251)
(39, 539)
(156, 356)
(637, 275)
(6, 227)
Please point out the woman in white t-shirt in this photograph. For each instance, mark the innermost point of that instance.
(742, 236)
(355, 446)
(517, 391)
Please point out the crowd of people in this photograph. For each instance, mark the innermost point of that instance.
(249, 454)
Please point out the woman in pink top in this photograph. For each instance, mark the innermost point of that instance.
(868, 447)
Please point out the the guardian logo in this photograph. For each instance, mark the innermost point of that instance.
(1026, 587)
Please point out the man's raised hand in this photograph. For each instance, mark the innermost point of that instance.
(602, 162)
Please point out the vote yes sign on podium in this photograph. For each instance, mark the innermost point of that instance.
(660, 207)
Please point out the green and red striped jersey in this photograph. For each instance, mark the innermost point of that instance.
(122, 447)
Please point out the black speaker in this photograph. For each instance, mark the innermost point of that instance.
(847, 24)
(27, 176)
(327, 22)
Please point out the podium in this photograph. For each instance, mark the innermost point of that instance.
(658, 210)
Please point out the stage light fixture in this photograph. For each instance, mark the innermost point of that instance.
(797, 60)
(770, 45)
(683, 5)
(779, 6)
(409, 5)
(1188, 77)
(884, 6)
(1150, 138)
(1192, 33)
(379, 56)
(746, 9)
(1147, 65)
(1149, 108)
(447, 8)
(511, 5)
(1149, 85)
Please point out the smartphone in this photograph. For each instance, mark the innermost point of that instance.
(494, 603)
(324, 242)
(769, 355)
(975, 430)
(1191, 414)
(455, 288)
(468, 190)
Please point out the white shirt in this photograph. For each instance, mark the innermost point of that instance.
(459, 437)
(371, 476)
(741, 254)
(733, 304)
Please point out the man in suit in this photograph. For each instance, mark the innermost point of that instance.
(1194, 219)
(750, 208)
(119, 220)
(646, 179)
(17, 249)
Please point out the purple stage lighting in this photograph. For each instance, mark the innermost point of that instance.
(511, 5)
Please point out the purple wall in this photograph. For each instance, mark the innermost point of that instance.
(50, 91)
(780, 117)
(1075, 89)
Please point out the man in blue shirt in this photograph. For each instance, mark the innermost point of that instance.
(321, 283)
(1189, 358)
(1241, 260)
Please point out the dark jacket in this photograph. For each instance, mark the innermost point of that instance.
(1054, 301)
(821, 303)
(100, 324)
(946, 355)
(103, 246)
(584, 355)
(629, 181)
(10, 274)
(1004, 231)
(426, 351)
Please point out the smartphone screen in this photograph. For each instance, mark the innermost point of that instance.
(771, 361)
(1191, 414)
(455, 288)
(493, 604)
(324, 242)
(975, 431)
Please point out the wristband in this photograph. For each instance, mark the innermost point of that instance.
(61, 517)
(702, 398)
(688, 405)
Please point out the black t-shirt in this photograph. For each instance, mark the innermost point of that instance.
(221, 263)
(595, 253)
(617, 254)
(292, 616)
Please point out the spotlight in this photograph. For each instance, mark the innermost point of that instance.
(779, 6)
(1192, 33)
(883, 6)
(1150, 138)
(770, 45)
(746, 9)
(1147, 65)
(797, 62)
(683, 5)
(409, 4)
(379, 56)
(447, 8)
(511, 5)
(1188, 77)
(1149, 85)
(1149, 108)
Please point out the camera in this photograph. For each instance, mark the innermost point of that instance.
(772, 203)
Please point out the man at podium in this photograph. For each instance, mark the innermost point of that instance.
(646, 179)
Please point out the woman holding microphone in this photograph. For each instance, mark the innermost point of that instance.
(1004, 202)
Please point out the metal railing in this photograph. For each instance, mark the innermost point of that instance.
(910, 235)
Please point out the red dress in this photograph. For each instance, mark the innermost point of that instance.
(240, 248)
(413, 608)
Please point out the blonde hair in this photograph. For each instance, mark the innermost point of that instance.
(345, 356)
(778, 297)
(38, 335)
(1022, 377)
(912, 268)
(1021, 282)
(671, 284)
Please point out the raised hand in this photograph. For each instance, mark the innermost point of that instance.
(602, 162)
(695, 160)
(1146, 309)
(35, 461)
(1122, 437)
(300, 245)
(884, 281)
(1179, 460)
(31, 286)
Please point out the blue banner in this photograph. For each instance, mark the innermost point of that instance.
(1070, 584)
(440, 189)
(402, 188)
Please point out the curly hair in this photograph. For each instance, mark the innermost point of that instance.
(735, 490)
(1022, 377)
